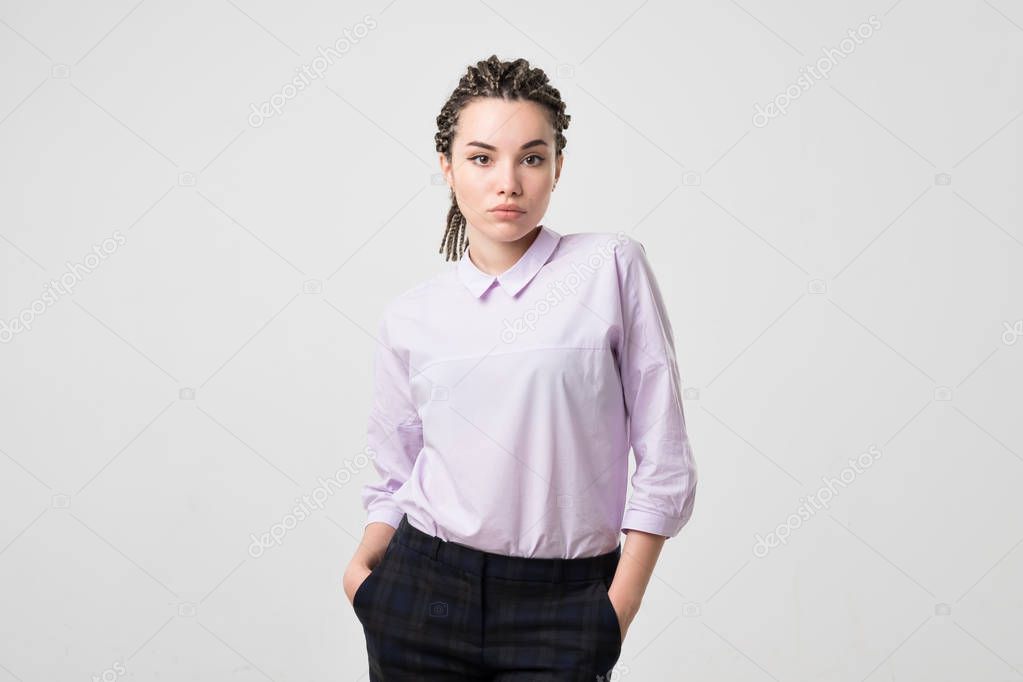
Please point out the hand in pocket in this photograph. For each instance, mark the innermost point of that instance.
(355, 576)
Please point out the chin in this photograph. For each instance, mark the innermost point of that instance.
(511, 230)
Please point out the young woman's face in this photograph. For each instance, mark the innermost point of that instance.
(503, 153)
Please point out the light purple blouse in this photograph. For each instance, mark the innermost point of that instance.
(504, 406)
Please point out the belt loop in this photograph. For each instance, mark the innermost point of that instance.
(556, 573)
(435, 549)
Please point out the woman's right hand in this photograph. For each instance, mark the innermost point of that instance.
(376, 538)
(353, 577)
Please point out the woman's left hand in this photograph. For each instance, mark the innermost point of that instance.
(626, 607)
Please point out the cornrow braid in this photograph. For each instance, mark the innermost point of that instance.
(513, 80)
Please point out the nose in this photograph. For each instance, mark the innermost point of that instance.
(508, 179)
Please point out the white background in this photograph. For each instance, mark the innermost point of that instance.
(845, 277)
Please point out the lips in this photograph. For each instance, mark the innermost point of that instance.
(507, 214)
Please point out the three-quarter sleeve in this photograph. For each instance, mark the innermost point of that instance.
(664, 482)
(394, 433)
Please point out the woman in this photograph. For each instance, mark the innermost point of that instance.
(508, 391)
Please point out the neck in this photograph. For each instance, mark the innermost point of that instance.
(495, 257)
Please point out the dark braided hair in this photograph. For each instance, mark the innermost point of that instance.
(513, 80)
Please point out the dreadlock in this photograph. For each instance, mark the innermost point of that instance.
(493, 78)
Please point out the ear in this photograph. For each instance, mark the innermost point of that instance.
(557, 166)
(445, 169)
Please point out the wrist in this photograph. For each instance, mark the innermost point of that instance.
(626, 599)
(369, 561)
(366, 559)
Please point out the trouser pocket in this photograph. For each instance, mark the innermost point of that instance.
(610, 615)
(366, 586)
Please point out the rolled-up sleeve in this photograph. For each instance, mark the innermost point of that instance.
(394, 433)
(664, 482)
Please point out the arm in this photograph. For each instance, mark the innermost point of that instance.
(664, 483)
(639, 555)
(394, 438)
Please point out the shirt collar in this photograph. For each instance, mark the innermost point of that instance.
(517, 276)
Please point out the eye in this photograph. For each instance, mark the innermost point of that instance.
(473, 158)
(537, 157)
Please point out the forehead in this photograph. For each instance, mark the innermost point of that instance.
(503, 123)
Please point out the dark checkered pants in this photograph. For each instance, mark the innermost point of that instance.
(433, 610)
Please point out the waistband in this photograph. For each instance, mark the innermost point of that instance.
(502, 566)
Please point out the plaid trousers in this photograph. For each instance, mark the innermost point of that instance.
(436, 611)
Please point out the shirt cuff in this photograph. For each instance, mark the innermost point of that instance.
(392, 517)
(648, 522)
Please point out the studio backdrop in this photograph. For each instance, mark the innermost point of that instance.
(205, 207)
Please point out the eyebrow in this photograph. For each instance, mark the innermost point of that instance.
(491, 147)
